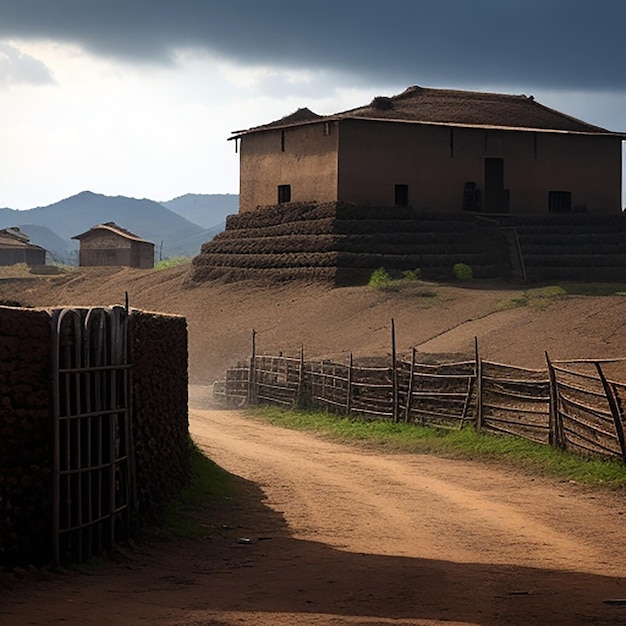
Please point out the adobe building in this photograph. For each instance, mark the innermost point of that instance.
(15, 247)
(436, 149)
(109, 244)
(424, 180)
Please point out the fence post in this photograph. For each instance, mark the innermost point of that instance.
(409, 392)
(622, 420)
(555, 428)
(300, 391)
(615, 411)
(479, 387)
(394, 374)
(349, 389)
(252, 371)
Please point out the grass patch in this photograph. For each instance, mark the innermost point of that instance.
(513, 303)
(407, 284)
(530, 457)
(210, 488)
(410, 289)
(539, 298)
(542, 297)
(594, 289)
(173, 262)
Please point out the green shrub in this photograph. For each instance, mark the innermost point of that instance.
(415, 274)
(379, 278)
(462, 271)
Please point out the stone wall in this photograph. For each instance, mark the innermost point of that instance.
(343, 244)
(160, 424)
(26, 435)
(160, 420)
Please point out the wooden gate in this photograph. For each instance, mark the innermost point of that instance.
(93, 455)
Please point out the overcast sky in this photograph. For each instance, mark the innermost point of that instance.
(138, 97)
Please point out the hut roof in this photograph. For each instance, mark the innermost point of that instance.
(15, 238)
(453, 108)
(112, 227)
(301, 115)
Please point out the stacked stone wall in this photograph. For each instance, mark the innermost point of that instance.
(572, 247)
(26, 435)
(344, 244)
(159, 354)
(160, 424)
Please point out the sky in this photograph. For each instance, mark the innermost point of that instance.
(138, 97)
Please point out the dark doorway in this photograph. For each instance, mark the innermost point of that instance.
(401, 196)
(495, 200)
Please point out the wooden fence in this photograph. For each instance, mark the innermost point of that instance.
(571, 405)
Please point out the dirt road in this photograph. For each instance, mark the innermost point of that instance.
(334, 534)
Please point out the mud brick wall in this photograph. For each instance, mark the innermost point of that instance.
(159, 354)
(160, 429)
(26, 435)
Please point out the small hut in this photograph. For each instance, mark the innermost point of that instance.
(15, 247)
(110, 244)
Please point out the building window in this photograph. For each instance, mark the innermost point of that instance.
(471, 197)
(284, 194)
(401, 196)
(282, 140)
(560, 201)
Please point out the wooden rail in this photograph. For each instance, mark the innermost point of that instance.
(572, 405)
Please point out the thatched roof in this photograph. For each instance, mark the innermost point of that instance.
(112, 227)
(453, 108)
(15, 238)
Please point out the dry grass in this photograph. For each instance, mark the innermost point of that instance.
(21, 270)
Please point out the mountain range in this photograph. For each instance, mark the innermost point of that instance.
(177, 227)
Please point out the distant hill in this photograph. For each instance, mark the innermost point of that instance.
(182, 247)
(207, 210)
(146, 218)
(60, 249)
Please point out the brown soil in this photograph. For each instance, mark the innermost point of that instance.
(330, 323)
(334, 534)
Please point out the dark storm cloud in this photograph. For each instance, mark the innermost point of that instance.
(560, 44)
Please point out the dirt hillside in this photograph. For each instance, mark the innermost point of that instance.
(331, 322)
